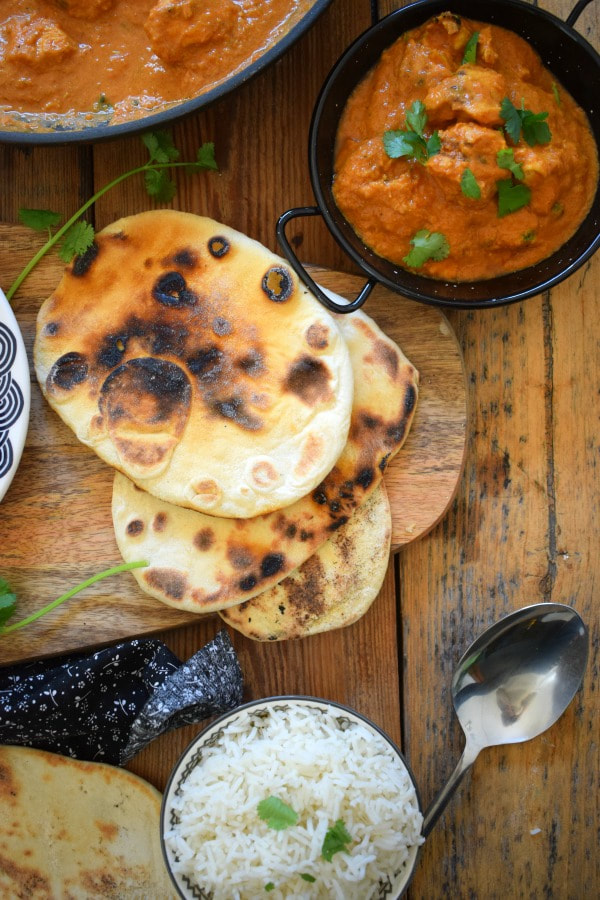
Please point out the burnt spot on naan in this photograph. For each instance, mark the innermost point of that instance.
(252, 363)
(317, 336)
(135, 528)
(169, 582)
(51, 329)
(83, 263)
(410, 400)
(145, 404)
(218, 246)
(168, 339)
(240, 557)
(309, 379)
(235, 410)
(387, 357)
(207, 363)
(30, 880)
(305, 595)
(171, 289)
(277, 283)
(207, 491)
(221, 326)
(67, 372)
(112, 350)
(187, 258)
(159, 522)
(272, 564)
(204, 539)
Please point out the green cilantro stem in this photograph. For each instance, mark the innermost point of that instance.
(124, 567)
(64, 228)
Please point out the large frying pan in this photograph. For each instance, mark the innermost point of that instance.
(166, 117)
(563, 50)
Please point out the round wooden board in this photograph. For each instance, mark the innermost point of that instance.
(55, 520)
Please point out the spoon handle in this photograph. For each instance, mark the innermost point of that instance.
(438, 805)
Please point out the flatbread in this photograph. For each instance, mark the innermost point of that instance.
(332, 589)
(192, 359)
(205, 563)
(72, 829)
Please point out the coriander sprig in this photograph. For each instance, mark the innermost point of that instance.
(8, 599)
(412, 142)
(76, 236)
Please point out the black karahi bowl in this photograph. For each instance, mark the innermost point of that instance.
(576, 65)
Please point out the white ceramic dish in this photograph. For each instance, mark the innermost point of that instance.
(247, 715)
(14, 395)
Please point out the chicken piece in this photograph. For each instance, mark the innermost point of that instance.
(86, 9)
(177, 28)
(471, 93)
(36, 41)
(468, 146)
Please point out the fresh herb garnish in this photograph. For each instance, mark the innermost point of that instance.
(556, 94)
(426, 245)
(411, 142)
(306, 877)
(506, 160)
(163, 156)
(469, 185)
(8, 600)
(335, 841)
(276, 813)
(533, 125)
(470, 55)
(511, 196)
(269, 887)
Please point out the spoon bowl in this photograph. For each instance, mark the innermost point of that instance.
(514, 682)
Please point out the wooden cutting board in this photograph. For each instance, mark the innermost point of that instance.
(55, 520)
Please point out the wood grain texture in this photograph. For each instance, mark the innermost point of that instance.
(62, 491)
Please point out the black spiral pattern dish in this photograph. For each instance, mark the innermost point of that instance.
(11, 397)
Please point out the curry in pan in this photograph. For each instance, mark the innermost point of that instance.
(68, 62)
(459, 155)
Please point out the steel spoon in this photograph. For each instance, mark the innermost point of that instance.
(515, 680)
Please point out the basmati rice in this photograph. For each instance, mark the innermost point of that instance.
(323, 764)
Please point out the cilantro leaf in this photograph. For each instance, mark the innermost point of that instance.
(335, 841)
(77, 240)
(159, 185)
(411, 142)
(511, 197)
(8, 601)
(39, 219)
(404, 143)
(426, 245)
(269, 886)
(506, 160)
(205, 158)
(533, 125)
(277, 814)
(470, 55)
(512, 119)
(556, 94)
(160, 146)
(469, 185)
(535, 128)
(416, 117)
(305, 876)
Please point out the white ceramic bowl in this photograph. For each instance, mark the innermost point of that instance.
(14, 395)
(393, 886)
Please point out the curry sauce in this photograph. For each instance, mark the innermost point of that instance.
(65, 62)
(459, 155)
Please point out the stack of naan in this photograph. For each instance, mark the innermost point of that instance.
(249, 427)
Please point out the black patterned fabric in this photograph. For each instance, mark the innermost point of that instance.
(106, 707)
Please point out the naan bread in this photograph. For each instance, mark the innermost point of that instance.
(72, 829)
(205, 563)
(191, 358)
(332, 589)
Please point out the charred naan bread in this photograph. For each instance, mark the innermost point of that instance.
(189, 357)
(77, 829)
(205, 563)
(332, 589)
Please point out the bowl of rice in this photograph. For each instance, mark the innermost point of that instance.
(291, 797)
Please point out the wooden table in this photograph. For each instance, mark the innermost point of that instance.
(521, 528)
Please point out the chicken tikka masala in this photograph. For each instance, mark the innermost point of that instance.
(460, 156)
(72, 62)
